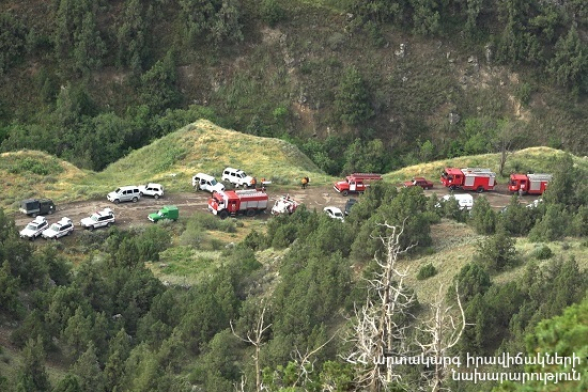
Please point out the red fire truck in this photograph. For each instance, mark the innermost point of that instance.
(356, 183)
(531, 184)
(248, 202)
(469, 179)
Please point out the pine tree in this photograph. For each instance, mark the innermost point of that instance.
(32, 375)
(87, 368)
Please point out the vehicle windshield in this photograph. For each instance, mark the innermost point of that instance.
(513, 182)
(94, 218)
(54, 227)
(213, 182)
(338, 214)
(242, 174)
(117, 190)
(31, 226)
(160, 213)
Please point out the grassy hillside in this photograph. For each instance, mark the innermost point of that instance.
(534, 159)
(171, 160)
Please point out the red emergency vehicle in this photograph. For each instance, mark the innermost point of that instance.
(248, 202)
(469, 179)
(356, 183)
(531, 184)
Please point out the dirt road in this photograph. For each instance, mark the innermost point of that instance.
(191, 202)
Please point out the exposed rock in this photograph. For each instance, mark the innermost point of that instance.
(454, 118)
(400, 53)
(472, 60)
(449, 57)
(489, 53)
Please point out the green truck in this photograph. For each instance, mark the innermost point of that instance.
(167, 212)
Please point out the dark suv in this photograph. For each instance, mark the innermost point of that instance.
(350, 203)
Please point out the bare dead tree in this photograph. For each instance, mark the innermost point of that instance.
(304, 364)
(378, 330)
(240, 387)
(255, 338)
(443, 332)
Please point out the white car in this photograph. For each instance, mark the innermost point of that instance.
(98, 219)
(534, 203)
(206, 182)
(334, 213)
(153, 190)
(35, 228)
(64, 227)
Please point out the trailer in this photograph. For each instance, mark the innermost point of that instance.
(529, 184)
(232, 203)
(469, 179)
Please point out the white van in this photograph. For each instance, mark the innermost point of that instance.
(465, 200)
(205, 182)
(125, 193)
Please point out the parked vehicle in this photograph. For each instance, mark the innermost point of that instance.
(59, 229)
(356, 183)
(419, 181)
(34, 207)
(166, 212)
(529, 184)
(248, 202)
(103, 218)
(534, 203)
(465, 200)
(469, 179)
(349, 205)
(334, 213)
(154, 190)
(238, 177)
(34, 228)
(285, 205)
(205, 182)
(125, 193)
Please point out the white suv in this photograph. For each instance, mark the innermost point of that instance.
(205, 182)
(237, 177)
(154, 190)
(64, 227)
(102, 218)
(125, 193)
(35, 228)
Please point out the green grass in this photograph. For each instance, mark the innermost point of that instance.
(185, 265)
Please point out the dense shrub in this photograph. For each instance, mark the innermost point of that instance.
(426, 271)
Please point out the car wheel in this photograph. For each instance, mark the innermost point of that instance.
(51, 212)
(480, 189)
(156, 196)
(223, 215)
(250, 213)
(452, 187)
(116, 201)
(69, 232)
(135, 200)
(91, 228)
(345, 193)
(34, 215)
(108, 224)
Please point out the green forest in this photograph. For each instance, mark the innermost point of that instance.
(88, 81)
(110, 325)
(91, 81)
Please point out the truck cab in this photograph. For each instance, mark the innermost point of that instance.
(356, 183)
